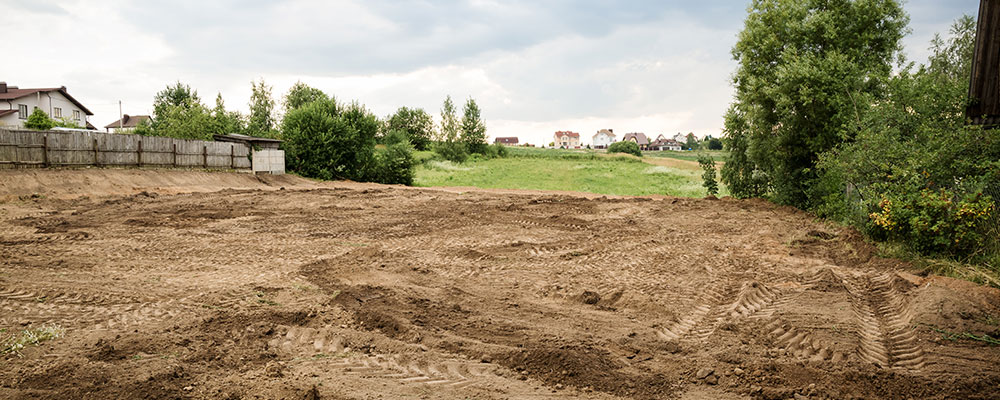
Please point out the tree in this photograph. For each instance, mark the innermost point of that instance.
(448, 145)
(415, 123)
(189, 120)
(807, 71)
(261, 121)
(707, 164)
(225, 122)
(301, 94)
(39, 120)
(692, 142)
(473, 128)
(328, 141)
(714, 144)
(177, 95)
(625, 146)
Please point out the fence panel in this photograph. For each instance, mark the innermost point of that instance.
(21, 148)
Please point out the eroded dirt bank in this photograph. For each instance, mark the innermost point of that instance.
(346, 291)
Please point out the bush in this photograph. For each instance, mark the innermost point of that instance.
(707, 164)
(714, 144)
(39, 120)
(452, 151)
(396, 163)
(501, 150)
(934, 221)
(627, 147)
(327, 141)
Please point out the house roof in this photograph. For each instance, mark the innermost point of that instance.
(91, 126)
(608, 132)
(128, 121)
(568, 133)
(4, 113)
(640, 138)
(14, 93)
(508, 140)
(665, 142)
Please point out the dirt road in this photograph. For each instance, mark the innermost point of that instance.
(350, 291)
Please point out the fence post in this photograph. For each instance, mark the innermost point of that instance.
(45, 149)
(139, 153)
(232, 156)
(175, 155)
(204, 155)
(97, 158)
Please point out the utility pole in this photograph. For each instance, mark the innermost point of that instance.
(984, 84)
(120, 117)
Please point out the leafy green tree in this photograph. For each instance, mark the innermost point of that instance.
(144, 128)
(625, 146)
(65, 122)
(301, 94)
(692, 142)
(714, 144)
(473, 128)
(189, 120)
(708, 177)
(39, 120)
(449, 147)
(807, 70)
(176, 95)
(225, 122)
(415, 123)
(261, 121)
(329, 141)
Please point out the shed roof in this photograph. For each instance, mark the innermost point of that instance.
(236, 137)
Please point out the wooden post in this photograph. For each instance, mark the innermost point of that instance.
(204, 155)
(97, 158)
(175, 155)
(232, 156)
(45, 149)
(139, 153)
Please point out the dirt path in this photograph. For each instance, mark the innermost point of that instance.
(344, 291)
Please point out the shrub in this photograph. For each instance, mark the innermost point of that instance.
(452, 151)
(934, 221)
(327, 141)
(39, 120)
(501, 150)
(396, 162)
(707, 164)
(627, 147)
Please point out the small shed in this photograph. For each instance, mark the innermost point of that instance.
(266, 157)
(984, 85)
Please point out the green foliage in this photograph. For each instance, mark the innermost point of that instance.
(144, 128)
(261, 121)
(301, 94)
(39, 120)
(396, 162)
(177, 95)
(627, 146)
(65, 122)
(415, 123)
(15, 343)
(473, 128)
(714, 144)
(707, 164)
(449, 146)
(452, 151)
(692, 142)
(225, 122)
(807, 71)
(924, 177)
(500, 150)
(328, 141)
(179, 113)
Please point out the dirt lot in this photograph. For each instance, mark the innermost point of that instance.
(285, 288)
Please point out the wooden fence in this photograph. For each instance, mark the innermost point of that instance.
(35, 149)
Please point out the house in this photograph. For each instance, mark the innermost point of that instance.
(506, 141)
(662, 143)
(639, 138)
(681, 137)
(127, 123)
(603, 138)
(17, 104)
(567, 140)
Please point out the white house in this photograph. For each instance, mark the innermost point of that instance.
(17, 104)
(603, 138)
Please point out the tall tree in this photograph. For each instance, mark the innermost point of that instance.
(692, 142)
(261, 121)
(449, 122)
(807, 69)
(415, 122)
(301, 94)
(473, 128)
(176, 95)
(224, 122)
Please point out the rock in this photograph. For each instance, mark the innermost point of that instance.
(704, 373)
(274, 369)
(188, 388)
(738, 371)
(712, 379)
(559, 386)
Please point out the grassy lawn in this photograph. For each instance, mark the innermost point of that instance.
(573, 170)
(718, 155)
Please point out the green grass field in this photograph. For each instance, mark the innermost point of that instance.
(572, 170)
(718, 155)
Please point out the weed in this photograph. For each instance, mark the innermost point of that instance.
(14, 344)
(953, 336)
(264, 300)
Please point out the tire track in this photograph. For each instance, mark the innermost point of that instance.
(883, 317)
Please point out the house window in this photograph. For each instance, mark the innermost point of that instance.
(76, 115)
(57, 112)
(22, 111)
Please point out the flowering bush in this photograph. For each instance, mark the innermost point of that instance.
(935, 221)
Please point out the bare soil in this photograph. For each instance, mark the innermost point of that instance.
(281, 287)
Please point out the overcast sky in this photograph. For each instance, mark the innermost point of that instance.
(534, 67)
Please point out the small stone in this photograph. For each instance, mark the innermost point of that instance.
(738, 371)
(704, 372)
(712, 379)
(559, 386)
(188, 388)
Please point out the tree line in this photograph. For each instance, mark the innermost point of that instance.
(829, 117)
